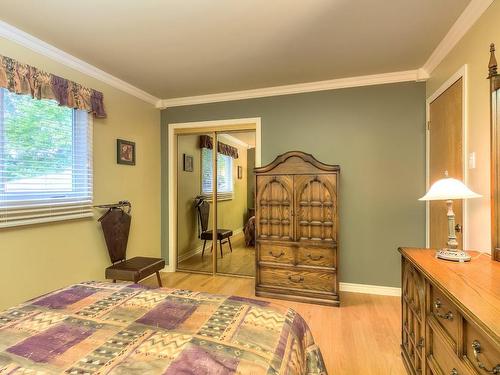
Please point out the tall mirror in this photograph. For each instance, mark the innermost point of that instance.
(495, 153)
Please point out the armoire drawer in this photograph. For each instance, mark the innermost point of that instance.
(297, 278)
(316, 256)
(275, 253)
(445, 313)
(480, 351)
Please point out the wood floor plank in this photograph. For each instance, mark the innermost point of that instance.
(360, 337)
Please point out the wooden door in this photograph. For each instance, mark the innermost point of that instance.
(274, 208)
(446, 154)
(315, 208)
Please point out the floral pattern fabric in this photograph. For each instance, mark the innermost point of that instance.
(27, 80)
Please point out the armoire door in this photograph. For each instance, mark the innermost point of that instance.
(274, 207)
(315, 210)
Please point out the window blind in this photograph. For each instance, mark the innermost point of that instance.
(224, 174)
(45, 161)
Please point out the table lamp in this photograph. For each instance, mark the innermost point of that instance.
(448, 189)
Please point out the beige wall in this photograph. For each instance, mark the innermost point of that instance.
(37, 259)
(473, 50)
(231, 213)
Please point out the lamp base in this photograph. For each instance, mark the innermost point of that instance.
(453, 255)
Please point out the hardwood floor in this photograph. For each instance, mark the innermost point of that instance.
(360, 337)
(239, 262)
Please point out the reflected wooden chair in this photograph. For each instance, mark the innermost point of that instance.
(223, 235)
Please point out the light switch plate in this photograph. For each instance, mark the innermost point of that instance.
(472, 160)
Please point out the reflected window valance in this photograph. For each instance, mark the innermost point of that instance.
(27, 80)
(207, 142)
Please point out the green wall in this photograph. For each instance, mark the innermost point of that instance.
(377, 136)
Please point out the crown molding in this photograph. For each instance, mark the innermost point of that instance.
(18, 36)
(332, 84)
(468, 17)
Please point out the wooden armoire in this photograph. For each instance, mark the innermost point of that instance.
(296, 229)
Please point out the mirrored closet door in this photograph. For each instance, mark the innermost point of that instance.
(215, 189)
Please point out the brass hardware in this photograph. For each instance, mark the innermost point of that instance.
(296, 280)
(420, 343)
(315, 258)
(437, 306)
(453, 371)
(276, 256)
(458, 228)
(476, 347)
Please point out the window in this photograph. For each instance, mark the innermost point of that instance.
(224, 174)
(45, 161)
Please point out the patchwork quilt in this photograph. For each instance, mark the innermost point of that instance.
(106, 328)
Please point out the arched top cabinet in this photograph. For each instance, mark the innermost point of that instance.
(296, 229)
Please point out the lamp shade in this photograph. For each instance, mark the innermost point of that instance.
(448, 189)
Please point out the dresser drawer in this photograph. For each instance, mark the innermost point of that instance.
(275, 253)
(481, 352)
(316, 256)
(445, 313)
(442, 359)
(299, 279)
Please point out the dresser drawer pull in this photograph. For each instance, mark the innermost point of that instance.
(296, 279)
(476, 347)
(313, 258)
(277, 256)
(454, 371)
(437, 306)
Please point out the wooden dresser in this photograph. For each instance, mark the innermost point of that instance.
(296, 229)
(450, 314)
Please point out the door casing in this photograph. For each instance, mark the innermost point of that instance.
(193, 127)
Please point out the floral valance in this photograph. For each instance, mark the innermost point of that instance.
(28, 80)
(207, 142)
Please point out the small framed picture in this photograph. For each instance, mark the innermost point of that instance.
(187, 163)
(240, 172)
(125, 152)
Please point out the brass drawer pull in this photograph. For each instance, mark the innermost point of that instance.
(296, 280)
(313, 258)
(437, 306)
(476, 347)
(454, 371)
(276, 256)
(420, 343)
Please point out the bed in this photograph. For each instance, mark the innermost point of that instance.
(122, 328)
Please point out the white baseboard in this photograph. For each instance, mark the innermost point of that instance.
(370, 289)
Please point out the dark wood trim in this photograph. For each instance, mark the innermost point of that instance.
(280, 159)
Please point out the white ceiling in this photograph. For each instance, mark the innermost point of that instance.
(176, 48)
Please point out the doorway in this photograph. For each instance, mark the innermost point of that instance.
(446, 147)
(213, 188)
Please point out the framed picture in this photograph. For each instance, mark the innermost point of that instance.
(240, 172)
(125, 152)
(187, 163)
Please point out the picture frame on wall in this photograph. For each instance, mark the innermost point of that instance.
(125, 152)
(187, 164)
(240, 172)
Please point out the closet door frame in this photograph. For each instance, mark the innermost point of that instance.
(169, 203)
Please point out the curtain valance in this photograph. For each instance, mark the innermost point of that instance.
(28, 80)
(207, 142)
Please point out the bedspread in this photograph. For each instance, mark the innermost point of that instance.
(106, 328)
